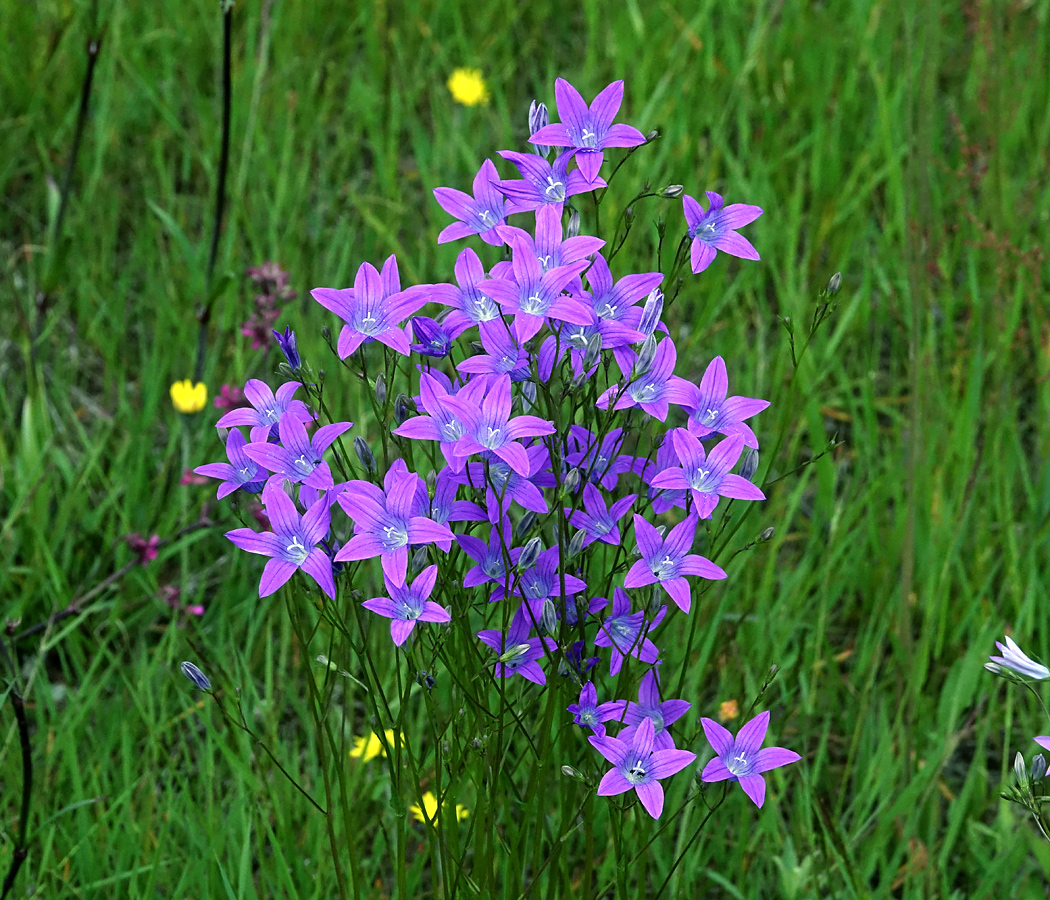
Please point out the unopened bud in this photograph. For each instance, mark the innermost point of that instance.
(835, 284)
(513, 654)
(994, 668)
(381, 388)
(767, 535)
(652, 135)
(419, 558)
(672, 192)
(576, 544)
(528, 396)
(477, 347)
(655, 604)
(773, 669)
(199, 679)
(750, 464)
(401, 409)
(539, 118)
(572, 480)
(644, 361)
(651, 312)
(526, 523)
(530, 554)
(628, 216)
(364, 453)
(573, 229)
(425, 679)
(326, 333)
(1020, 770)
(549, 617)
(661, 228)
(593, 351)
(571, 772)
(1038, 768)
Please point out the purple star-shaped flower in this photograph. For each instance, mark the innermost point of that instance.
(714, 230)
(543, 184)
(445, 507)
(744, 759)
(385, 523)
(707, 477)
(442, 424)
(293, 542)
(542, 580)
(504, 485)
(716, 413)
(431, 338)
(517, 651)
(482, 214)
(649, 708)
(534, 296)
(639, 766)
(599, 521)
(407, 605)
(491, 427)
(615, 303)
(504, 354)
(373, 308)
(667, 561)
(602, 463)
(267, 410)
(489, 557)
(627, 633)
(588, 130)
(589, 713)
(656, 388)
(239, 472)
(299, 457)
(548, 246)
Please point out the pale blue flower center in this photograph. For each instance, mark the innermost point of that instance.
(699, 481)
(533, 305)
(636, 773)
(493, 438)
(270, 414)
(484, 309)
(304, 465)
(588, 716)
(709, 416)
(589, 139)
(408, 612)
(739, 764)
(245, 472)
(579, 338)
(644, 393)
(555, 190)
(452, 431)
(367, 325)
(487, 218)
(606, 312)
(621, 628)
(664, 568)
(395, 537)
(545, 262)
(296, 551)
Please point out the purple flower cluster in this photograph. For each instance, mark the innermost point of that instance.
(539, 498)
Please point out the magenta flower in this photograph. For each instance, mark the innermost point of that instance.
(407, 605)
(518, 653)
(298, 457)
(589, 713)
(666, 561)
(654, 389)
(714, 412)
(649, 708)
(714, 230)
(293, 542)
(588, 130)
(240, 472)
(373, 309)
(482, 214)
(743, 758)
(541, 183)
(639, 766)
(707, 477)
(266, 410)
(627, 632)
(599, 521)
(386, 522)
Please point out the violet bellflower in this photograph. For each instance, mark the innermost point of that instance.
(441, 422)
(707, 477)
(654, 389)
(407, 605)
(431, 338)
(543, 183)
(599, 520)
(299, 457)
(267, 409)
(714, 230)
(548, 246)
(649, 708)
(615, 303)
(503, 485)
(293, 542)
(289, 346)
(490, 565)
(504, 354)
(714, 412)
(743, 758)
(542, 580)
(589, 713)
(483, 214)
(588, 130)
(386, 522)
(1016, 660)
(469, 305)
(627, 633)
(639, 766)
(240, 472)
(517, 652)
(373, 309)
(602, 463)
(666, 561)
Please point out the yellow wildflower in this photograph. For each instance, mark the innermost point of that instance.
(468, 87)
(188, 397)
(366, 748)
(728, 710)
(430, 804)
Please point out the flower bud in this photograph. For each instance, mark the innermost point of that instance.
(652, 135)
(1038, 768)
(654, 308)
(1020, 770)
(572, 480)
(528, 396)
(549, 617)
(571, 772)
(672, 192)
(576, 544)
(750, 464)
(326, 333)
(835, 284)
(401, 409)
(199, 679)
(767, 535)
(289, 345)
(419, 558)
(381, 388)
(591, 354)
(425, 679)
(364, 453)
(628, 216)
(530, 554)
(652, 608)
(573, 229)
(661, 228)
(526, 523)
(539, 118)
(644, 361)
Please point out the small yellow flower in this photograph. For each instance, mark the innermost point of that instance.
(188, 397)
(728, 710)
(430, 804)
(366, 748)
(468, 87)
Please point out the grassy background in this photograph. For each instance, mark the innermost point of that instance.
(906, 149)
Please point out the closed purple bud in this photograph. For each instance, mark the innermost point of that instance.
(364, 453)
(594, 349)
(672, 192)
(289, 345)
(199, 679)
(431, 338)
(644, 362)
(401, 410)
(381, 388)
(525, 525)
(573, 228)
(530, 554)
(576, 544)
(572, 480)
(834, 284)
(652, 609)
(528, 396)
(539, 118)
(549, 617)
(419, 559)
(654, 308)
(750, 464)
(1038, 767)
